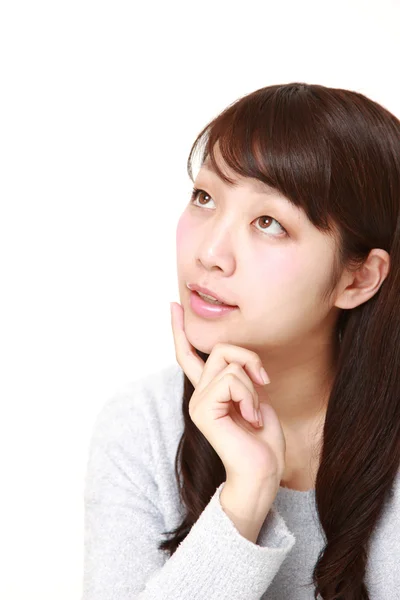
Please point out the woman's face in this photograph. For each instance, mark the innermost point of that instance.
(232, 240)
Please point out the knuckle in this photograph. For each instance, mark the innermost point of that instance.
(235, 368)
(254, 357)
(231, 377)
(257, 359)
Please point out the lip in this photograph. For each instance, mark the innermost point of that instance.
(198, 288)
(206, 310)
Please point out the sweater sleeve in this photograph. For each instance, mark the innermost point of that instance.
(123, 525)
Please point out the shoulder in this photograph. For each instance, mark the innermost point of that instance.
(129, 434)
(152, 393)
(148, 407)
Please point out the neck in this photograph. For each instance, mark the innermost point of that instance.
(301, 382)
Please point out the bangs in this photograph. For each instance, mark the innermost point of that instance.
(277, 136)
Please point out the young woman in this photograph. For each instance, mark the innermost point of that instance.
(265, 463)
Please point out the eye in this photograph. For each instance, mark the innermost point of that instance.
(196, 193)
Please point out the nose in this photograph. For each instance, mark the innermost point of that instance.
(216, 251)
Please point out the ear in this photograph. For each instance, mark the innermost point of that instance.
(363, 283)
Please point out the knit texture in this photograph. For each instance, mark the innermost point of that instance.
(131, 498)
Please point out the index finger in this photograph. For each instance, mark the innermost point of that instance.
(186, 355)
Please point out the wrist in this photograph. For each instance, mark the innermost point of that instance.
(247, 505)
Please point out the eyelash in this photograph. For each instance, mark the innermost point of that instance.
(196, 191)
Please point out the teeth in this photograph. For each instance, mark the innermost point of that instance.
(209, 298)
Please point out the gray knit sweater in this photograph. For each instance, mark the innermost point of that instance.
(131, 497)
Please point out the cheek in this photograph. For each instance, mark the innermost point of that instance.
(184, 232)
(282, 281)
(292, 281)
(280, 268)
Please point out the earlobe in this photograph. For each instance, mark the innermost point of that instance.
(366, 281)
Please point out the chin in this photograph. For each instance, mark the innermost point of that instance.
(203, 338)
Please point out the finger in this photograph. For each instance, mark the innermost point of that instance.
(223, 355)
(233, 389)
(185, 353)
(241, 374)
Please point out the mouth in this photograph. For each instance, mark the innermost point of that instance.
(209, 308)
(212, 300)
(209, 296)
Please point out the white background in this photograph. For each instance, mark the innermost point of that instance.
(99, 105)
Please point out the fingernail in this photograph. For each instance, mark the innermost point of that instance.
(259, 417)
(264, 376)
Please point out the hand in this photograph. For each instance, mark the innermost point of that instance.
(222, 407)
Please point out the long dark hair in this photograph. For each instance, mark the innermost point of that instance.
(336, 154)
